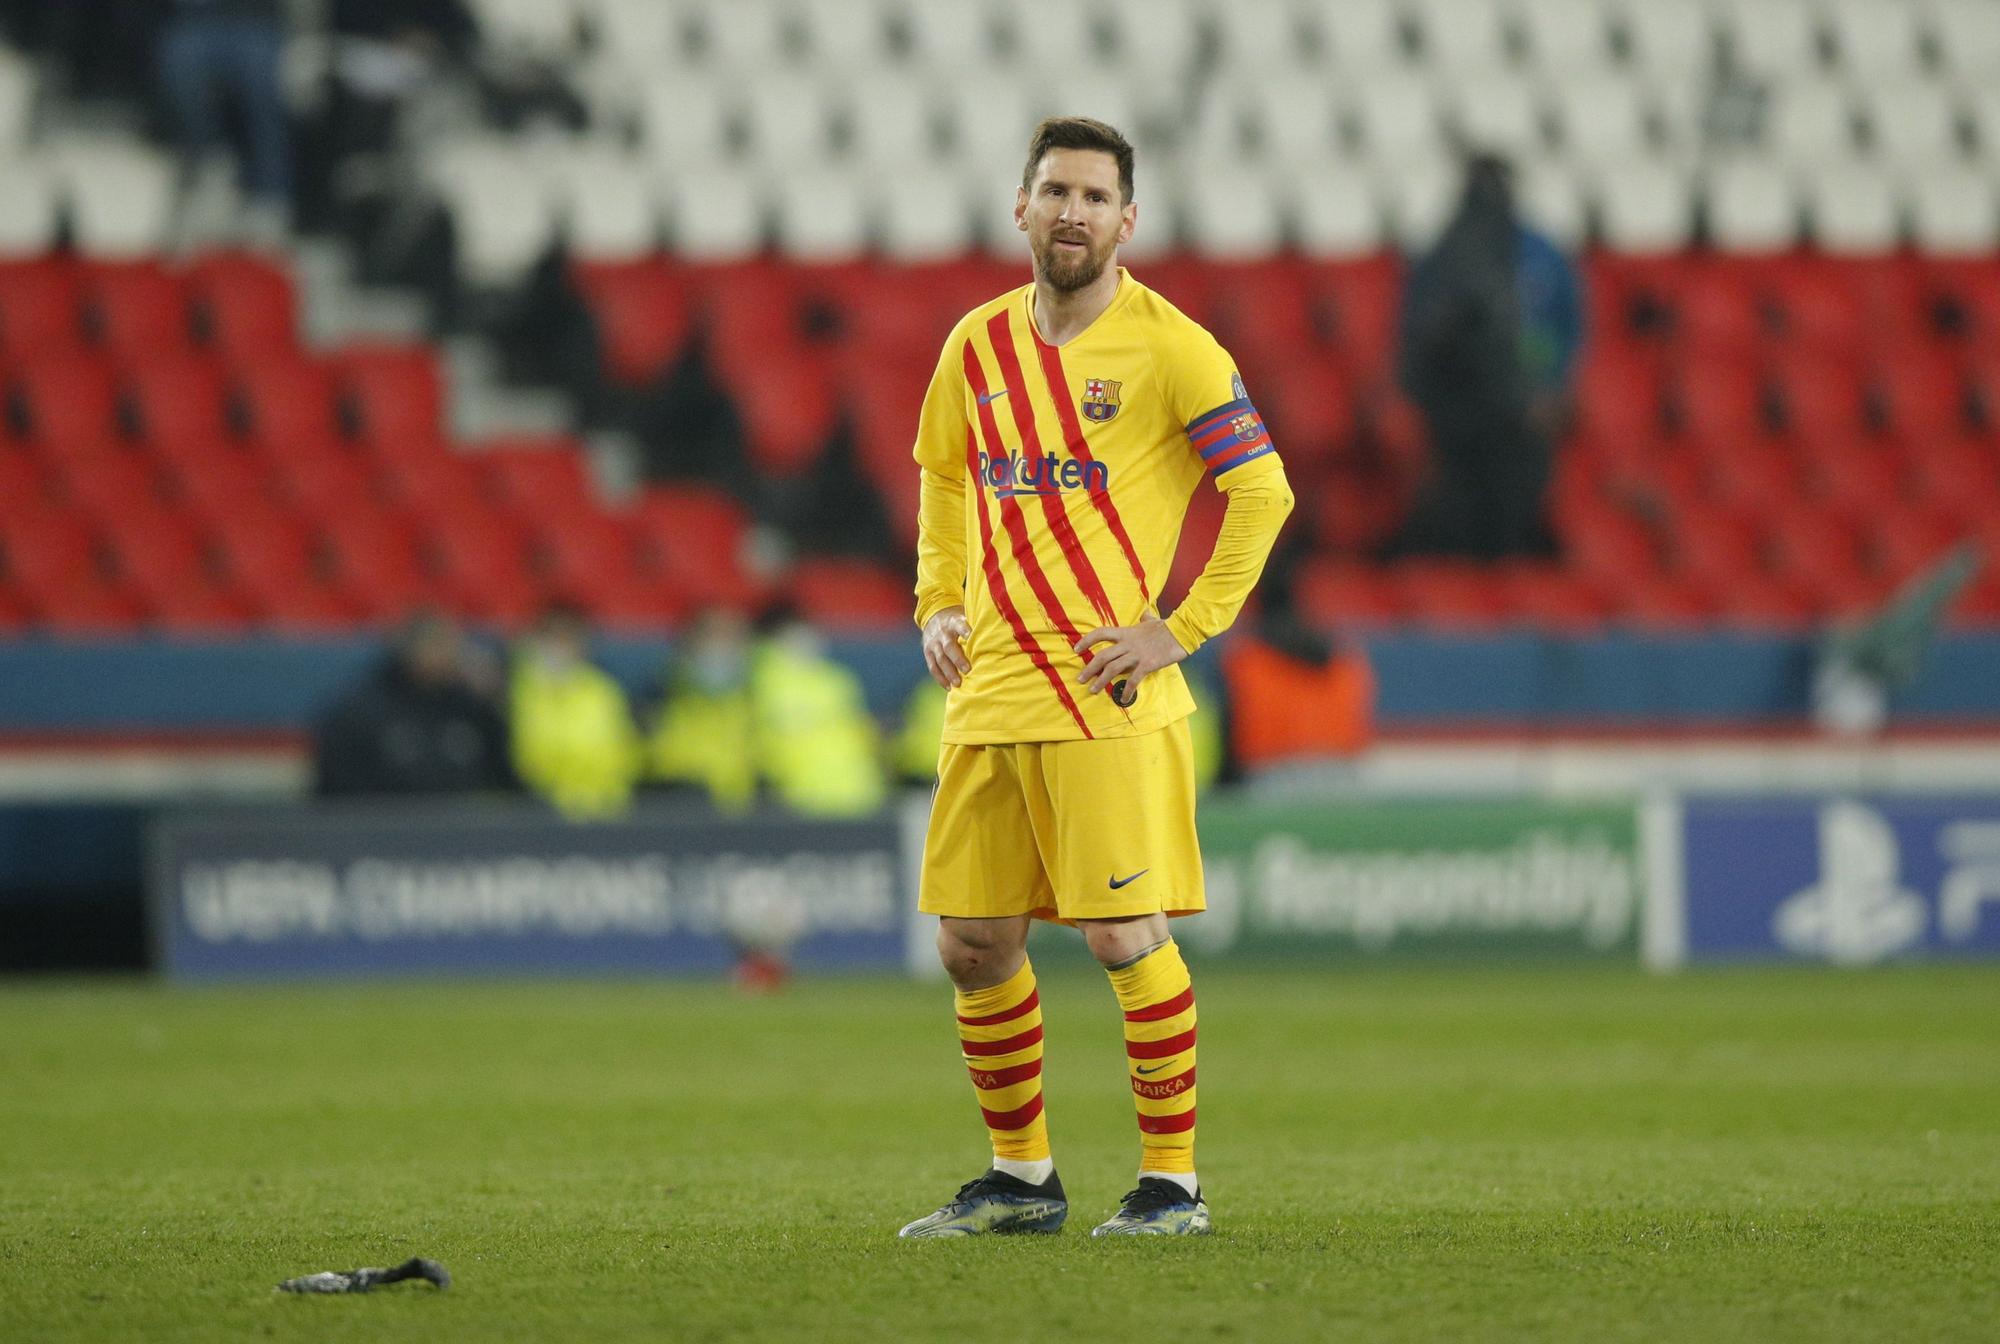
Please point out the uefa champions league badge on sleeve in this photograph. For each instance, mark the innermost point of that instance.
(1236, 386)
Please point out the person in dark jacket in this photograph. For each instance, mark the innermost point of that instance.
(1490, 328)
(419, 723)
(214, 53)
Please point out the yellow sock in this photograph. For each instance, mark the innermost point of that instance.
(1000, 1030)
(1158, 999)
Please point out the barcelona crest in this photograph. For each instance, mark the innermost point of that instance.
(1100, 398)
(1245, 426)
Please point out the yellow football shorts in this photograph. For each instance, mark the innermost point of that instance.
(1092, 829)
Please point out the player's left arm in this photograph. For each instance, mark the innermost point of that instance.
(1229, 435)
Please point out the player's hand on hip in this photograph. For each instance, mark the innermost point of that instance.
(944, 652)
(1130, 652)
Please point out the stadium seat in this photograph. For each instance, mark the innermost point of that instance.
(1461, 37)
(840, 594)
(894, 126)
(270, 556)
(693, 537)
(47, 550)
(1812, 546)
(437, 483)
(1158, 42)
(1819, 396)
(162, 559)
(1913, 123)
(1340, 594)
(1551, 598)
(531, 474)
(1855, 209)
(1420, 198)
(324, 483)
(375, 558)
(41, 306)
(1875, 42)
(1643, 205)
(1714, 545)
(1920, 395)
(1292, 117)
(286, 396)
(1330, 217)
(1396, 116)
(642, 313)
(684, 118)
(1953, 211)
(1451, 595)
(821, 214)
(584, 553)
(503, 220)
(1601, 117)
(1752, 206)
(924, 216)
(717, 214)
(1608, 544)
(642, 34)
(67, 399)
(1851, 472)
(136, 308)
(1498, 111)
(1772, 38)
(539, 30)
(1671, 40)
(480, 560)
(120, 193)
(243, 304)
(103, 481)
(18, 81)
(1905, 540)
(1957, 476)
(1967, 38)
(392, 394)
(1231, 215)
(950, 34)
(176, 398)
(609, 208)
(788, 115)
(1566, 39)
(30, 208)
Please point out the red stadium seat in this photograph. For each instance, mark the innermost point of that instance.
(535, 474)
(136, 307)
(1818, 304)
(41, 306)
(1851, 471)
(90, 607)
(585, 553)
(857, 595)
(392, 394)
(243, 304)
(1813, 547)
(1357, 303)
(286, 396)
(217, 482)
(177, 397)
(1754, 476)
(1716, 315)
(325, 483)
(1341, 593)
(1921, 394)
(68, 398)
(1451, 595)
(480, 560)
(163, 560)
(787, 418)
(693, 537)
(1663, 603)
(1957, 476)
(47, 550)
(427, 484)
(643, 313)
(1714, 546)
(1904, 540)
(1307, 406)
(376, 559)
(273, 559)
(106, 482)
(1608, 544)
(1719, 400)
(24, 483)
(1551, 598)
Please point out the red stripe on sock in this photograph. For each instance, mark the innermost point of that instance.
(1167, 1124)
(1153, 1012)
(1018, 1118)
(1058, 381)
(1032, 1036)
(989, 1080)
(1172, 1045)
(1021, 1009)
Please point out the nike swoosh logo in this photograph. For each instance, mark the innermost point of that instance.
(1141, 1068)
(1117, 882)
(985, 397)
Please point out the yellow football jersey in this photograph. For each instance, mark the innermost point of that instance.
(1055, 483)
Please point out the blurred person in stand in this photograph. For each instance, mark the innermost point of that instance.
(703, 736)
(575, 742)
(1491, 324)
(819, 749)
(1299, 697)
(424, 720)
(217, 55)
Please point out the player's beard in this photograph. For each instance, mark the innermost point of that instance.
(1067, 272)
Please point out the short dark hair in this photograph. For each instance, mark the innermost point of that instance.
(1080, 133)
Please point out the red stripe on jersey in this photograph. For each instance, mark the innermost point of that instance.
(1154, 1012)
(1021, 1009)
(1167, 1124)
(1032, 1036)
(1001, 332)
(1018, 1118)
(1058, 381)
(990, 1080)
(1173, 1045)
(997, 585)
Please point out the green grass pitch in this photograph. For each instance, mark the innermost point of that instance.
(1415, 1154)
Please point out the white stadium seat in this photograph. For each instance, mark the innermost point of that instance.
(789, 118)
(1462, 36)
(842, 34)
(992, 114)
(1877, 39)
(742, 36)
(1968, 38)
(1420, 195)
(1155, 39)
(1643, 205)
(1566, 37)
(1397, 117)
(1056, 40)
(1255, 35)
(924, 215)
(1334, 210)
(1811, 122)
(821, 214)
(949, 37)
(30, 207)
(1914, 122)
(892, 117)
(717, 212)
(542, 28)
(684, 117)
(1551, 198)
(1982, 105)
(1752, 206)
(17, 98)
(1601, 117)
(1231, 212)
(606, 198)
(1294, 115)
(121, 194)
(1363, 36)
(1498, 112)
(1855, 209)
(1772, 37)
(501, 210)
(641, 34)
(1954, 210)
(1669, 39)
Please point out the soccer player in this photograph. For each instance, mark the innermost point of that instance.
(1065, 428)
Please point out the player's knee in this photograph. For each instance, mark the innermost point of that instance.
(1117, 941)
(978, 953)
